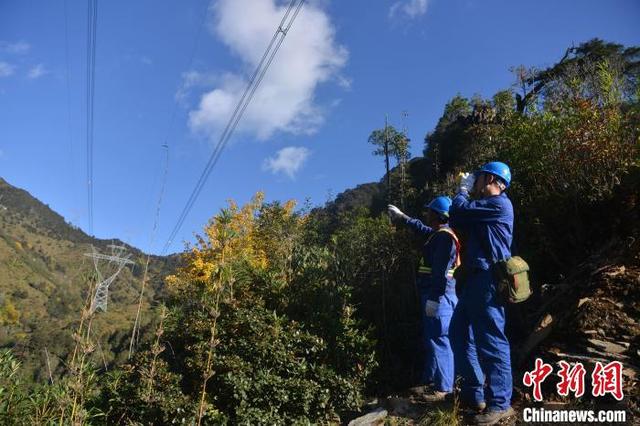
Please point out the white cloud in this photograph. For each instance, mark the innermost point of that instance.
(285, 100)
(15, 48)
(37, 72)
(409, 8)
(192, 80)
(288, 161)
(6, 69)
(344, 82)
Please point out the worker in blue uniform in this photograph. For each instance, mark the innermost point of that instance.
(436, 286)
(486, 221)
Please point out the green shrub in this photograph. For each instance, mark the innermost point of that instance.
(129, 394)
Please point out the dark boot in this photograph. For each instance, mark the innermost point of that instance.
(418, 390)
(492, 417)
(476, 407)
(435, 396)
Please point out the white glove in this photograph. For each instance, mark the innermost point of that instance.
(466, 182)
(396, 212)
(431, 308)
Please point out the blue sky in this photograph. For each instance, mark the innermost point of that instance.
(343, 66)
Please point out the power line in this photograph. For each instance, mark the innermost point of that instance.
(161, 195)
(72, 174)
(194, 49)
(92, 21)
(243, 103)
(135, 333)
(172, 117)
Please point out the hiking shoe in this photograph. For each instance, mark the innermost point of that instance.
(418, 390)
(476, 407)
(435, 396)
(492, 417)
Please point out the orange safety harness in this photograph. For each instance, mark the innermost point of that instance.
(424, 269)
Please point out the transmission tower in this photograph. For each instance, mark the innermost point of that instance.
(404, 114)
(116, 261)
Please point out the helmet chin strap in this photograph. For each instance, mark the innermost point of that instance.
(498, 183)
(486, 190)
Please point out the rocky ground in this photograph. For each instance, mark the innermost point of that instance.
(592, 316)
(594, 320)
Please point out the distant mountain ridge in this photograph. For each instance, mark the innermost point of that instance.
(45, 276)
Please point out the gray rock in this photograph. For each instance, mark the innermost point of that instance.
(610, 347)
(375, 417)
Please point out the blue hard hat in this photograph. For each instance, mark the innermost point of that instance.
(440, 205)
(498, 169)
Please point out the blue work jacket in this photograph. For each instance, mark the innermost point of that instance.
(487, 224)
(440, 254)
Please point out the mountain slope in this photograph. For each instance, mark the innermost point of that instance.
(45, 277)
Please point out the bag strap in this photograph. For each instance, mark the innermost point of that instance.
(487, 250)
(484, 243)
(456, 241)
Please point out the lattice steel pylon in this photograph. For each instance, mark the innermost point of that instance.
(116, 262)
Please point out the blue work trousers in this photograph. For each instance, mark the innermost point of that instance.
(485, 352)
(438, 363)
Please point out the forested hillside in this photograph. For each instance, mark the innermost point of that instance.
(44, 280)
(281, 315)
